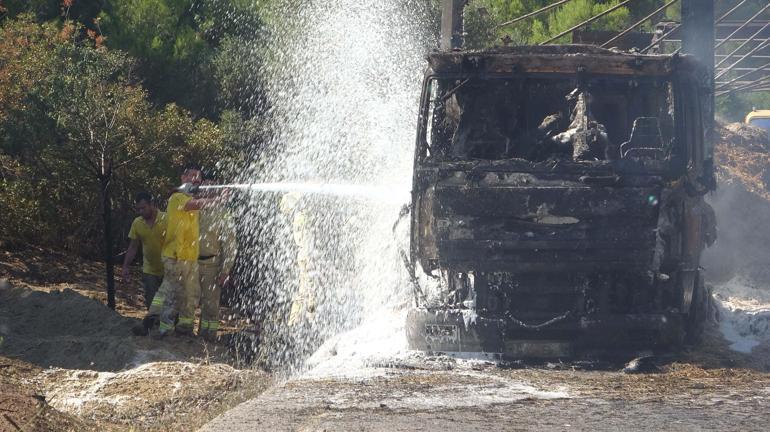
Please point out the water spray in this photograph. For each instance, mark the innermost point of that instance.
(319, 195)
(376, 193)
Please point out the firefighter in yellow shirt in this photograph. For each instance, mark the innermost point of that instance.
(147, 230)
(180, 257)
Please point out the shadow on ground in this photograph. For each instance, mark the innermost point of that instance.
(65, 329)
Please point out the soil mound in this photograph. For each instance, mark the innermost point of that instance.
(63, 329)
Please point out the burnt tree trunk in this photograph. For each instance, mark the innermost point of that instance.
(104, 181)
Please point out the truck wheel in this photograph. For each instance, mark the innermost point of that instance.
(699, 311)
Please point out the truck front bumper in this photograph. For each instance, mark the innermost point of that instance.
(456, 331)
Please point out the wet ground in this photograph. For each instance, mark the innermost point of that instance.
(477, 396)
(366, 380)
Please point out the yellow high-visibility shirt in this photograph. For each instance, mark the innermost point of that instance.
(152, 242)
(182, 232)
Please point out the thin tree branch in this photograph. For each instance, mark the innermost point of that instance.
(142, 154)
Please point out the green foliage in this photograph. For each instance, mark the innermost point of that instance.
(71, 117)
(175, 42)
(236, 67)
(178, 41)
(578, 11)
(546, 25)
(734, 107)
(164, 35)
(107, 89)
(83, 11)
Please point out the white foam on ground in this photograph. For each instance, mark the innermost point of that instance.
(76, 389)
(368, 352)
(744, 310)
(79, 391)
(381, 339)
(378, 350)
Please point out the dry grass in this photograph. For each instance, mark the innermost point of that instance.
(743, 155)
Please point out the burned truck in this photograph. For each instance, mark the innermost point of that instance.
(558, 203)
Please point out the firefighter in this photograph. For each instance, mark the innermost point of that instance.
(180, 257)
(147, 230)
(218, 249)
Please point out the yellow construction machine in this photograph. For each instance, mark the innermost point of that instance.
(759, 118)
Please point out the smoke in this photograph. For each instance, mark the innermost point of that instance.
(743, 235)
(737, 265)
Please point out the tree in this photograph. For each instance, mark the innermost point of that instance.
(546, 25)
(236, 67)
(76, 128)
(177, 43)
(82, 11)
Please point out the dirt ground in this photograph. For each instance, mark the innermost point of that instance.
(709, 388)
(67, 362)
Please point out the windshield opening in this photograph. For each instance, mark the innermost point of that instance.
(539, 119)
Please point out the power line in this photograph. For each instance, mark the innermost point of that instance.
(638, 23)
(750, 39)
(730, 12)
(738, 78)
(743, 26)
(744, 69)
(745, 56)
(753, 84)
(588, 21)
(676, 27)
(761, 87)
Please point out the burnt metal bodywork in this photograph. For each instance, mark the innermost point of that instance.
(557, 205)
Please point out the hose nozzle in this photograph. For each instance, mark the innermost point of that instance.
(188, 188)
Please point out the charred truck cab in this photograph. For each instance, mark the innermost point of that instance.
(557, 205)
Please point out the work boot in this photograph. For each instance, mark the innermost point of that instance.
(140, 330)
(143, 329)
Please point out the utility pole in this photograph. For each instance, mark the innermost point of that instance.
(452, 27)
(698, 38)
